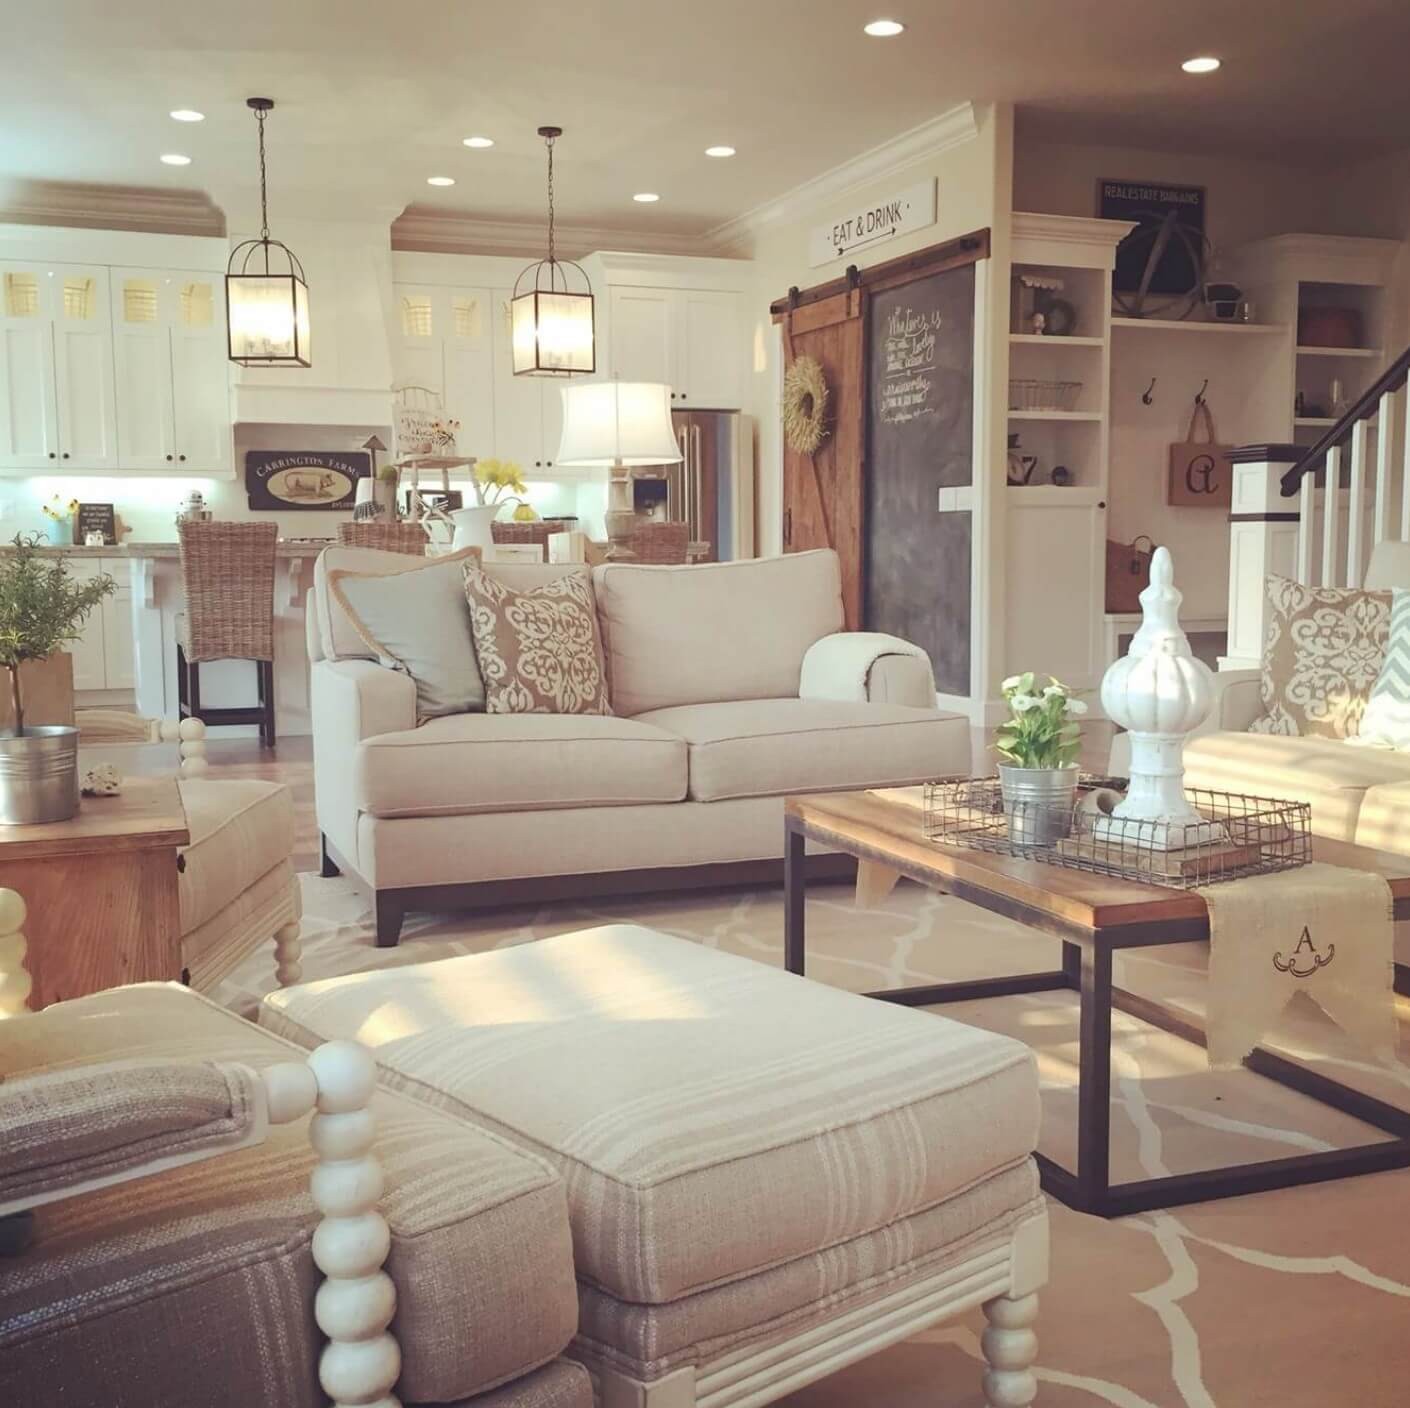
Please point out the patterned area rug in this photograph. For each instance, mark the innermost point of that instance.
(1293, 1299)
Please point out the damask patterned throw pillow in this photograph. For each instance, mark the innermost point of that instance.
(1321, 657)
(540, 651)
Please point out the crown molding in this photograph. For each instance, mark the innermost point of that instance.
(145, 209)
(951, 128)
(434, 232)
(1072, 229)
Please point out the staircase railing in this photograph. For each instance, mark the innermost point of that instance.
(1349, 487)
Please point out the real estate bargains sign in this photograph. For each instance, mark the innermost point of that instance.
(911, 209)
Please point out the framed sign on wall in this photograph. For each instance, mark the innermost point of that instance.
(304, 479)
(1179, 266)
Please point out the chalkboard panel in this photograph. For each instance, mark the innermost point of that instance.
(920, 439)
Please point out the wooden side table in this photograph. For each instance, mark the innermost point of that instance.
(100, 890)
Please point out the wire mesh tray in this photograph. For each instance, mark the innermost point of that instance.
(1237, 835)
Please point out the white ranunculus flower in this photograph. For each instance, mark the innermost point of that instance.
(1076, 706)
(1024, 702)
(1012, 682)
(1053, 689)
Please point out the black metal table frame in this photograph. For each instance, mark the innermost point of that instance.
(1086, 970)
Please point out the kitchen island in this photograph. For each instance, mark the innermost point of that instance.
(147, 603)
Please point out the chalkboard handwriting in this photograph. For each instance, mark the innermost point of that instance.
(905, 398)
(908, 355)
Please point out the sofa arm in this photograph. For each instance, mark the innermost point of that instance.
(867, 666)
(1238, 701)
(351, 700)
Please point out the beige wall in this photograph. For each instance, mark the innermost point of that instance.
(973, 188)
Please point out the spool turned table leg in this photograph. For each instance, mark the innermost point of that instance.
(15, 981)
(1010, 1346)
(288, 953)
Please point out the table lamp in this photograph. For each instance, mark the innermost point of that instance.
(619, 426)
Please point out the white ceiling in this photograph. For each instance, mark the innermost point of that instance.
(374, 97)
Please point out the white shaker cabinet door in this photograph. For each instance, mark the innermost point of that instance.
(29, 435)
(467, 356)
(83, 369)
(710, 351)
(89, 659)
(200, 374)
(142, 367)
(518, 401)
(642, 332)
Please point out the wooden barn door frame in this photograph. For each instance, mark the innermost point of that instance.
(858, 284)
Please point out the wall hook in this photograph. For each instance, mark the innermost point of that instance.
(1148, 395)
(1199, 398)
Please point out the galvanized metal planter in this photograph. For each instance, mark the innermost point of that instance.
(1039, 803)
(38, 774)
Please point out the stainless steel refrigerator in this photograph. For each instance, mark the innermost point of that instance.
(712, 489)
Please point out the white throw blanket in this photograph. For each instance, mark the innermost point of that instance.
(839, 666)
(1319, 929)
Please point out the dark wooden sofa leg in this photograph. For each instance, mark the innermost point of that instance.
(327, 866)
(389, 916)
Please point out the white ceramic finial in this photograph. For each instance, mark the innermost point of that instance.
(1161, 693)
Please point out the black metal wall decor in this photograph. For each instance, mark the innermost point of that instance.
(266, 294)
(304, 479)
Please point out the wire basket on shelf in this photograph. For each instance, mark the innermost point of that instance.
(1033, 394)
(1238, 835)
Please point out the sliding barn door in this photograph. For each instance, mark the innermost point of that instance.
(822, 493)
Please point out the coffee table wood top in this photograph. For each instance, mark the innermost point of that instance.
(888, 833)
(147, 815)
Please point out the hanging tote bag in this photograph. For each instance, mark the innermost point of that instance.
(1201, 475)
(1128, 570)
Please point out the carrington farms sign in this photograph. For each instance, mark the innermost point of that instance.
(303, 479)
(911, 209)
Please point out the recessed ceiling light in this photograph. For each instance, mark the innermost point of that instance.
(440, 180)
(719, 151)
(646, 197)
(187, 115)
(479, 142)
(883, 29)
(175, 159)
(1203, 64)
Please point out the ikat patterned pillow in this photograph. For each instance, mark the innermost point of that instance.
(540, 651)
(1321, 658)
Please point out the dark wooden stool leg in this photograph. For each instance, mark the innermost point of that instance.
(327, 866)
(182, 704)
(193, 688)
(266, 700)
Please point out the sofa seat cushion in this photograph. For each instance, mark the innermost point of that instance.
(241, 829)
(768, 747)
(713, 1116)
(1330, 773)
(212, 1263)
(517, 762)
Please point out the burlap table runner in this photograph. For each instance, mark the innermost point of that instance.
(1320, 929)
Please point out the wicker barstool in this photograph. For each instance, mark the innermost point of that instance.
(227, 570)
(661, 544)
(389, 537)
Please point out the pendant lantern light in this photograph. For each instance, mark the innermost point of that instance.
(551, 317)
(266, 295)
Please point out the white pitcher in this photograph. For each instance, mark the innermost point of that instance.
(472, 526)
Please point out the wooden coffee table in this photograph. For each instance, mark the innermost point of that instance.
(1094, 916)
(100, 890)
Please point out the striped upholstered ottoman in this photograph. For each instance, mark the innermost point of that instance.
(767, 1178)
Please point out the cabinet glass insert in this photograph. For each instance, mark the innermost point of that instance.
(465, 316)
(80, 298)
(22, 295)
(416, 315)
(197, 303)
(139, 300)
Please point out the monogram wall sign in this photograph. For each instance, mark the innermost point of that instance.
(1304, 960)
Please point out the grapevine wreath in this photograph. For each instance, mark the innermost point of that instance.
(804, 405)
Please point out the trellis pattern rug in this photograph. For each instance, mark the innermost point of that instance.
(1293, 1299)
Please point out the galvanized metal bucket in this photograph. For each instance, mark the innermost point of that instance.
(1039, 803)
(38, 774)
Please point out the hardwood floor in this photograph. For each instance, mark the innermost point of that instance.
(292, 764)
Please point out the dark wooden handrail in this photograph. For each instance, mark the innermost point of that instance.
(1392, 379)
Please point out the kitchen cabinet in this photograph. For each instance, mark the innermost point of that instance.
(689, 338)
(171, 370)
(103, 653)
(528, 409)
(444, 343)
(56, 368)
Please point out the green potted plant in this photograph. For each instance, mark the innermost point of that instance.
(1038, 745)
(41, 609)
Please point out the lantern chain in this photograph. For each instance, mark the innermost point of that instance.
(552, 260)
(263, 183)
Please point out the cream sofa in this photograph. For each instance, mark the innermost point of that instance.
(734, 684)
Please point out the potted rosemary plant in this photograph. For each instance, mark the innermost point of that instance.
(1038, 745)
(41, 609)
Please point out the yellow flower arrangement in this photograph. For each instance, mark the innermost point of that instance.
(58, 510)
(494, 479)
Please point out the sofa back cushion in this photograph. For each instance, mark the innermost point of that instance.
(729, 630)
(1389, 567)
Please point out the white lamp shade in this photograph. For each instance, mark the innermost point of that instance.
(618, 423)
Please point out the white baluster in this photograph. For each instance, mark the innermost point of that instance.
(1356, 504)
(15, 982)
(288, 953)
(355, 1305)
(1306, 528)
(1010, 1346)
(1331, 513)
(1386, 433)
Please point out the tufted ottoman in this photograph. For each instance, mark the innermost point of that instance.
(767, 1178)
